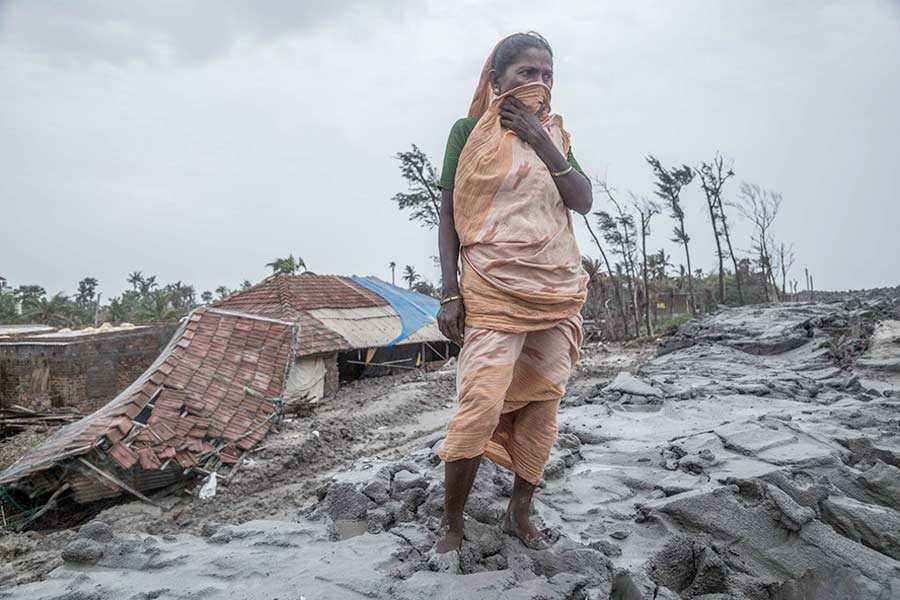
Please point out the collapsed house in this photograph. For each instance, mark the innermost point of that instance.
(219, 387)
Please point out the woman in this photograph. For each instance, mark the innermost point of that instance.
(508, 184)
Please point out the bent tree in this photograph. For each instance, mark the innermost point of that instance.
(712, 177)
(669, 183)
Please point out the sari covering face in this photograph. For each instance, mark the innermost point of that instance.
(521, 267)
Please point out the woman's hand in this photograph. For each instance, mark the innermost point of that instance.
(452, 321)
(516, 117)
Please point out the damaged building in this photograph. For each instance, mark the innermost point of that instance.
(44, 368)
(220, 386)
(349, 327)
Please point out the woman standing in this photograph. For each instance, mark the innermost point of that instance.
(509, 181)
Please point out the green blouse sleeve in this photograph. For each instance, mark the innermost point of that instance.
(571, 159)
(459, 134)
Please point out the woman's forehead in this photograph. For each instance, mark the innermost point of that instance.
(537, 57)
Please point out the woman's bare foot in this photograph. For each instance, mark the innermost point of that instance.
(451, 540)
(525, 530)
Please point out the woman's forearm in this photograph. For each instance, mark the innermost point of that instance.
(448, 246)
(574, 188)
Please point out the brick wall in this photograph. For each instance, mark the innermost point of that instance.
(84, 373)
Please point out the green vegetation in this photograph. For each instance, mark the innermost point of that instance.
(638, 291)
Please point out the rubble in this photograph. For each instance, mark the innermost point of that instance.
(209, 397)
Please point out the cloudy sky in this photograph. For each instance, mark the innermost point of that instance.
(199, 140)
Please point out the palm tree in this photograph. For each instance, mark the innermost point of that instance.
(157, 306)
(183, 297)
(135, 278)
(669, 183)
(146, 285)
(117, 312)
(8, 308)
(393, 266)
(207, 297)
(287, 266)
(658, 264)
(55, 311)
(223, 292)
(410, 276)
(246, 284)
(86, 290)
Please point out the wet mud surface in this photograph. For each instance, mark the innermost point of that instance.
(755, 456)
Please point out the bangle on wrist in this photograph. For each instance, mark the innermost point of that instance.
(447, 299)
(565, 171)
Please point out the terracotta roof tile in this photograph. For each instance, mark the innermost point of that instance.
(123, 455)
(148, 459)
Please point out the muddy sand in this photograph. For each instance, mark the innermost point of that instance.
(757, 456)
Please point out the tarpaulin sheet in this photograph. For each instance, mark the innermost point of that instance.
(415, 309)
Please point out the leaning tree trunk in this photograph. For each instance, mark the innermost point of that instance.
(784, 290)
(644, 277)
(712, 217)
(687, 254)
(629, 277)
(612, 275)
(690, 273)
(737, 273)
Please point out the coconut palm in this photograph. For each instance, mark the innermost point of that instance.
(87, 288)
(56, 310)
(393, 266)
(8, 308)
(117, 310)
(135, 278)
(410, 276)
(157, 306)
(147, 285)
(287, 266)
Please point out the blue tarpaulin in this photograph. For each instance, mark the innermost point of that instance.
(415, 309)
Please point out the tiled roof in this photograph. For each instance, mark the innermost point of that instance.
(293, 293)
(208, 394)
(292, 297)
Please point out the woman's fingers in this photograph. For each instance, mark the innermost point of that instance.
(513, 101)
(453, 332)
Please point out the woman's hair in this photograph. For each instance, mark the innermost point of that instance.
(512, 47)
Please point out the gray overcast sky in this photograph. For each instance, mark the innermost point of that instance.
(199, 140)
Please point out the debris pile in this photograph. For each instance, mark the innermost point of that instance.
(16, 419)
(213, 394)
